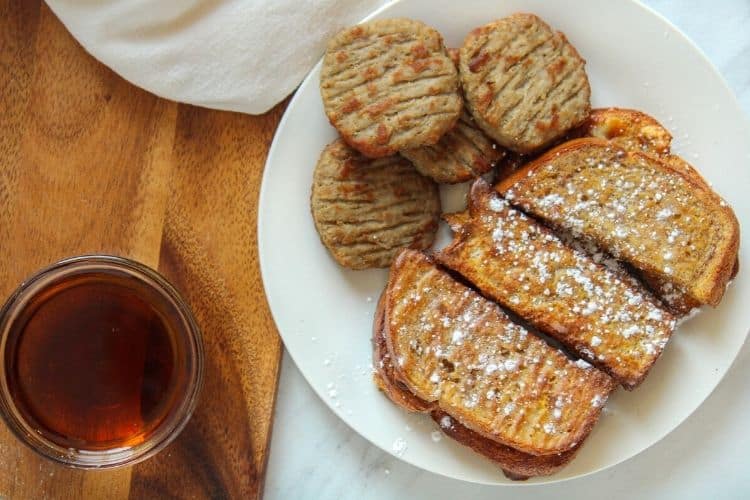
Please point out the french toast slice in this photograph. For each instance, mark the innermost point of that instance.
(643, 211)
(593, 308)
(515, 465)
(458, 351)
(637, 131)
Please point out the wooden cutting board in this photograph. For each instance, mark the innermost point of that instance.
(91, 164)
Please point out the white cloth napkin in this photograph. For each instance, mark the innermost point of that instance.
(238, 55)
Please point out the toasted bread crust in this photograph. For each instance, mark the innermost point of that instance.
(515, 465)
(389, 84)
(601, 314)
(383, 376)
(629, 128)
(524, 83)
(444, 338)
(703, 265)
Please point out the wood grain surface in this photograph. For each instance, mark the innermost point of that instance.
(91, 164)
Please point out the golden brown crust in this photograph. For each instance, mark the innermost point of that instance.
(383, 376)
(629, 128)
(703, 282)
(516, 465)
(598, 312)
(389, 84)
(456, 349)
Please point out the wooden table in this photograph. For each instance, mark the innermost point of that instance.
(91, 164)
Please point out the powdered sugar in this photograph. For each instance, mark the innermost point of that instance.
(446, 422)
(333, 393)
(655, 314)
(511, 364)
(497, 204)
(664, 213)
(630, 331)
(457, 336)
(580, 363)
(399, 447)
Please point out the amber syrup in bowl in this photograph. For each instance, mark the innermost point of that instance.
(101, 362)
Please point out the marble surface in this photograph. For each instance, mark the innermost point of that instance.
(315, 455)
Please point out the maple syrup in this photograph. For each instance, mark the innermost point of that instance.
(99, 358)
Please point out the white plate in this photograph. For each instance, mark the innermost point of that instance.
(324, 313)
